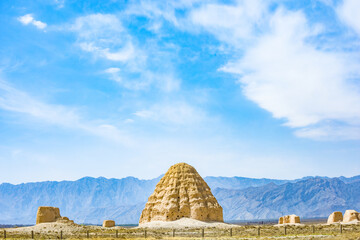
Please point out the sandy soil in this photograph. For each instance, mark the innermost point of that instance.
(355, 222)
(352, 222)
(289, 224)
(56, 227)
(185, 223)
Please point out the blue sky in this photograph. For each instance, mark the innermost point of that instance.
(254, 88)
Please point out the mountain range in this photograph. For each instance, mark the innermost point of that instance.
(91, 200)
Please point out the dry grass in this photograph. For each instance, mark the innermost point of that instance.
(350, 232)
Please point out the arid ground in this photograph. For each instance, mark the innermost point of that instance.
(69, 231)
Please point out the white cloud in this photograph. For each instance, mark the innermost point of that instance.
(164, 81)
(26, 19)
(167, 82)
(116, 75)
(59, 3)
(122, 55)
(296, 81)
(104, 36)
(312, 89)
(97, 26)
(330, 132)
(308, 86)
(128, 120)
(112, 70)
(14, 100)
(178, 113)
(29, 19)
(348, 12)
(157, 11)
(39, 24)
(231, 23)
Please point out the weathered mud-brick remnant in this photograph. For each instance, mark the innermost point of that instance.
(182, 192)
(109, 223)
(291, 219)
(335, 217)
(50, 214)
(351, 215)
(47, 214)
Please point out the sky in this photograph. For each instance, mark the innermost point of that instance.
(252, 88)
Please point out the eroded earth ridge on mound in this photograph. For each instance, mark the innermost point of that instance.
(182, 193)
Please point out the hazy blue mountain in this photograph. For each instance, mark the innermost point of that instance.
(350, 180)
(313, 197)
(87, 200)
(91, 200)
(243, 182)
(240, 182)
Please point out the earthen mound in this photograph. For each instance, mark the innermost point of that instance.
(182, 193)
(49, 215)
(350, 216)
(109, 223)
(335, 217)
(289, 219)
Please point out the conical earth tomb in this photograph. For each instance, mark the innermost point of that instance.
(182, 193)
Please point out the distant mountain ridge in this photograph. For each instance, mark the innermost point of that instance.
(313, 197)
(85, 200)
(91, 200)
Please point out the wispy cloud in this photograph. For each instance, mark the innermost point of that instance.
(104, 36)
(330, 131)
(173, 113)
(164, 81)
(17, 101)
(309, 86)
(118, 76)
(59, 3)
(298, 82)
(348, 12)
(231, 23)
(29, 19)
(158, 11)
(121, 55)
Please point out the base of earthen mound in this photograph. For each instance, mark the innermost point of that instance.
(351, 222)
(289, 224)
(54, 227)
(68, 229)
(185, 223)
